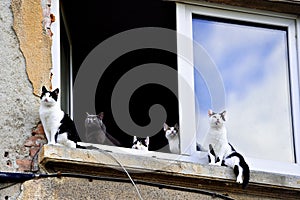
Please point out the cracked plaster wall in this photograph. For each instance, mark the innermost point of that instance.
(25, 63)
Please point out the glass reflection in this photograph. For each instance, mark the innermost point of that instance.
(253, 63)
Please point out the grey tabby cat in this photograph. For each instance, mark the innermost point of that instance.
(95, 131)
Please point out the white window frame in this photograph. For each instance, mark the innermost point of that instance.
(56, 55)
(55, 49)
(185, 58)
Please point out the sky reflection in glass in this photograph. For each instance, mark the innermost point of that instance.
(253, 63)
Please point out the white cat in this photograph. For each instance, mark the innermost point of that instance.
(172, 134)
(217, 138)
(58, 126)
(220, 152)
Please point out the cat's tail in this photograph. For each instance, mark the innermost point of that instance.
(246, 174)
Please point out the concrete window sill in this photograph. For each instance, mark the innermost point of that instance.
(166, 169)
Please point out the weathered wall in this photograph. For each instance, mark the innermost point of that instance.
(18, 106)
(25, 60)
(34, 40)
(47, 189)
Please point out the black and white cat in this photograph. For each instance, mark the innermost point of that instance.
(141, 143)
(220, 152)
(217, 138)
(172, 134)
(58, 126)
(241, 169)
(95, 131)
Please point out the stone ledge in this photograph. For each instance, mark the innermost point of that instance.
(164, 170)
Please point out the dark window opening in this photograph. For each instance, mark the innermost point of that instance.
(91, 22)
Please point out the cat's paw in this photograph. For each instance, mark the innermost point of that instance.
(219, 163)
(51, 143)
(239, 180)
(215, 164)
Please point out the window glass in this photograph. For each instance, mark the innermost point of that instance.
(252, 61)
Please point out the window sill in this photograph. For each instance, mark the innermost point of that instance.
(148, 167)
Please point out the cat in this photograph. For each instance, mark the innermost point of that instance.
(172, 134)
(95, 131)
(217, 138)
(241, 169)
(222, 153)
(58, 126)
(141, 143)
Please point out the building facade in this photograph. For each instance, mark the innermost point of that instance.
(47, 42)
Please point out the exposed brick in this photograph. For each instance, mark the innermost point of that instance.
(38, 130)
(30, 141)
(24, 164)
(34, 141)
(32, 144)
(33, 151)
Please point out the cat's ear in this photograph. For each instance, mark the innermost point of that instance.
(56, 91)
(210, 112)
(134, 138)
(44, 89)
(147, 140)
(165, 127)
(100, 115)
(176, 126)
(223, 114)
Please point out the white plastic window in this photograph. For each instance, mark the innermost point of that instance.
(247, 63)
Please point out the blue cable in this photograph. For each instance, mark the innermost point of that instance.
(16, 177)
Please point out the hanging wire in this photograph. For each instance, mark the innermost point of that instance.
(119, 163)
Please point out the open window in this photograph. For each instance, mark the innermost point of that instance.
(79, 38)
(247, 63)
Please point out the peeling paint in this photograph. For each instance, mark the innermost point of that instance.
(35, 43)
